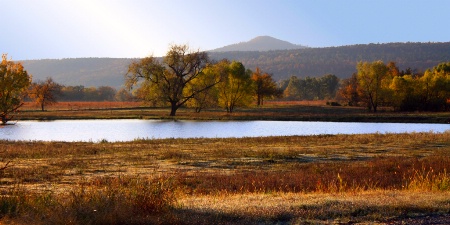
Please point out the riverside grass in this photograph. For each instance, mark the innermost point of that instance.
(267, 180)
(276, 110)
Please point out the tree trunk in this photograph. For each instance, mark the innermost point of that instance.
(173, 109)
(4, 119)
(42, 107)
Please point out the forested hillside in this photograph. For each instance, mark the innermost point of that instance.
(80, 71)
(340, 61)
(313, 62)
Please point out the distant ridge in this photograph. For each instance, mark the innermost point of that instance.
(340, 61)
(260, 44)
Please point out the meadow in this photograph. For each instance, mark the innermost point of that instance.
(324, 179)
(300, 180)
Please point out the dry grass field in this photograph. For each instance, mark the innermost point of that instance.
(368, 179)
(275, 110)
(74, 106)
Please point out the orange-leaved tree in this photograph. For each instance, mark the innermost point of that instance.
(264, 86)
(14, 82)
(44, 92)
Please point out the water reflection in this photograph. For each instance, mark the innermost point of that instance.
(126, 130)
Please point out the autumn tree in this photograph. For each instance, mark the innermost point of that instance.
(235, 88)
(435, 87)
(14, 82)
(292, 91)
(210, 97)
(73, 93)
(263, 86)
(404, 95)
(45, 92)
(168, 79)
(349, 90)
(329, 84)
(371, 82)
(123, 96)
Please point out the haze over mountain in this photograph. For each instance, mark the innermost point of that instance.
(302, 62)
(260, 43)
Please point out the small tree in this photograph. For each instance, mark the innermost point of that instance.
(44, 92)
(371, 82)
(14, 82)
(264, 86)
(349, 90)
(235, 88)
(292, 91)
(123, 96)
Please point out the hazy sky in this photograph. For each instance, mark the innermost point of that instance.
(37, 29)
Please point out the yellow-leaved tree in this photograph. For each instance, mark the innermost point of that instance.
(236, 87)
(372, 82)
(14, 82)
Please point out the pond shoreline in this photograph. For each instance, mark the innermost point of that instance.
(267, 113)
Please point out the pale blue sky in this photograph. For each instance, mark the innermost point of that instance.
(38, 29)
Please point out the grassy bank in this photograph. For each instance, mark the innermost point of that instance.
(304, 179)
(295, 111)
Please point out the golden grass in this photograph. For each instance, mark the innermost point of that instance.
(326, 208)
(298, 179)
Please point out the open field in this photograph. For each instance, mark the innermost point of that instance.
(373, 178)
(299, 111)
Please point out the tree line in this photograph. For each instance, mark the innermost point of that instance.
(378, 84)
(48, 92)
(310, 88)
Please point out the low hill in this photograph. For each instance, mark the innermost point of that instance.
(80, 71)
(261, 43)
(340, 61)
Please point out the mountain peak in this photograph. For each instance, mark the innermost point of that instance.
(260, 43)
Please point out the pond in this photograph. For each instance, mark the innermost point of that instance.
(127, 130)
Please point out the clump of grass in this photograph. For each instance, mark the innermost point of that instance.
(120, 200)
(173, 154)
(427, 179)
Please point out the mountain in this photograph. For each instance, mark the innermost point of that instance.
(80, 71)
(340, 61)
(261, 43)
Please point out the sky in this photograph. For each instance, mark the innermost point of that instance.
(55, 29)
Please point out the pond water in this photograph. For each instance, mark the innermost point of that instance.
(127, 130)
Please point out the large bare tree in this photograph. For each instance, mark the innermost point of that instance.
(167, 80)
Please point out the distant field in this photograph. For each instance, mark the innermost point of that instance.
(271, 110)
(82, 105)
